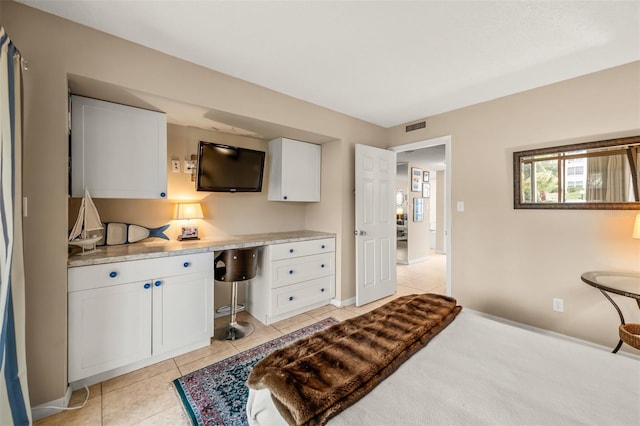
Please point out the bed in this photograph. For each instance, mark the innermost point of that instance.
(479, 370)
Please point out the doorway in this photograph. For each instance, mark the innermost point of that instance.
(423, 212)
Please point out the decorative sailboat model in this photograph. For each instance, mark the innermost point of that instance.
(88, 221)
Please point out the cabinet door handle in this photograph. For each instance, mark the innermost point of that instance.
(290, 271)
(322, 266)
(186, 264)
(113, 274)
(291, 251)
(285, 197)
(147, 285)
(322, 290)
(162, 194)
(158, 283)
(290, 298)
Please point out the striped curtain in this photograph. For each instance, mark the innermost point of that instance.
(14, 396)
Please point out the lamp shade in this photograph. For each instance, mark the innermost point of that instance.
(189, 211)
(636, 228)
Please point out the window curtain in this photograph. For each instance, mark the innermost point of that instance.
(14, 396)
(617, 184)
(608, 179)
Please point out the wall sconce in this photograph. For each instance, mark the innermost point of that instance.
(636, 228)
(188, 211)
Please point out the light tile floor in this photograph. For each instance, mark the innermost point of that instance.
(147, 396)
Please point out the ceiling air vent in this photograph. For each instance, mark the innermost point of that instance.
(416, 126)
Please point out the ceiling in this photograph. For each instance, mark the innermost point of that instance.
(431, 158)
(385, 62)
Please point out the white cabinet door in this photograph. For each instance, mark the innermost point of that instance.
(117, 151)
(182, 311)
(294, 172)
(117, 317)
(108, 327)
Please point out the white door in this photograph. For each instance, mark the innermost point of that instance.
(375, 224)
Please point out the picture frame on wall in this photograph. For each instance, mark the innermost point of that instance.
(425, 176)
(426, 190)
(416, 179)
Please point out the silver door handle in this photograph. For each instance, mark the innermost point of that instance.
(360, 232)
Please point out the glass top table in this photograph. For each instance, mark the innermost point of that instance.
(623, 283)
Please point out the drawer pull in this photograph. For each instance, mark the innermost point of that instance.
(291, 251)
(163, 194)
(186, 264)
(322, 266)
(147, 285)
(322, 246)
(158, 283)
(290, 298)
(113, 274)
(322, 290)
(285, 197)
(290, 271)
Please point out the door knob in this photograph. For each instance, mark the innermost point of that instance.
(360, 232)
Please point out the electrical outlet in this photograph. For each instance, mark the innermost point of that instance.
(175, 166)
(558, 305)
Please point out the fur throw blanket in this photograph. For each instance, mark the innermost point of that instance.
(315, 378)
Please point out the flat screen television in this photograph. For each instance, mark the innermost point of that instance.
(224, 168)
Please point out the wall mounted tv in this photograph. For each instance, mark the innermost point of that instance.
(224, 168)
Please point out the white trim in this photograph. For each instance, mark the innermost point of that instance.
(550, 333)
(48, 408)
(342, 303)
(446, 141)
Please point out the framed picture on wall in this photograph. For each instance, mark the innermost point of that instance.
(426, 190)
(416, 179)
(425, 177)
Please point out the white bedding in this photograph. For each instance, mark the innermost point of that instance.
(481, 371)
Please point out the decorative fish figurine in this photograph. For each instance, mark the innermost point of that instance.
(126, 233)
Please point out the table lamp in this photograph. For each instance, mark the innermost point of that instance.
(636, 228)
(186, 212)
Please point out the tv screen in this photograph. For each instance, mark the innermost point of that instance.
(224, 168)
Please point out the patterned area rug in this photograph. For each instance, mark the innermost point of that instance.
(217, 394)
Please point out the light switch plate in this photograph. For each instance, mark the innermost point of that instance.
(189, 166)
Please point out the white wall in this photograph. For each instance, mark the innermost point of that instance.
(512, 263)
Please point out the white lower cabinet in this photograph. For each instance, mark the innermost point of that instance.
(292, 278)
(122, 313)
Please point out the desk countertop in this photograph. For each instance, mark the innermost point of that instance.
(154, 248)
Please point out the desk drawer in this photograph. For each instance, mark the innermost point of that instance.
(290, 271)
(302, 248)
(95, 276)
(289, 298)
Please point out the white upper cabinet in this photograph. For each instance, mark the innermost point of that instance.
(294, 170)
(117, 151)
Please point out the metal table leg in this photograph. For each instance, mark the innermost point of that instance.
(619, 313)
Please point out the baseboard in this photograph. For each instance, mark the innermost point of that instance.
(552, 333)
(342, 303)
(52, 407)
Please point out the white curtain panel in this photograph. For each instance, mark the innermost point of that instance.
(14, 396)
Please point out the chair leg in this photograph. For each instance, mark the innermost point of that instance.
(234, 330)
